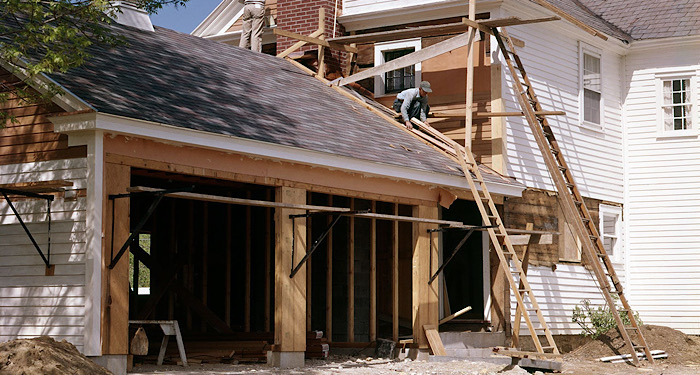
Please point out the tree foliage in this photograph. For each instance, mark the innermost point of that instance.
(49, 36)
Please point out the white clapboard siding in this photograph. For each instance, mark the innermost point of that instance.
(551, 59)
(32, 304)
(354, 7)
(662, 210)
(558, 292)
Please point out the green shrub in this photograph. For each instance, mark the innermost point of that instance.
(596, 321)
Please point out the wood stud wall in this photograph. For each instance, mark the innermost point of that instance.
(232, 290)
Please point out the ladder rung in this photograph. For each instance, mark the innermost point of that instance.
(578, 203)
(631, 328)
(570, 185)
(593, 237)
(548, 347)
(562, 169)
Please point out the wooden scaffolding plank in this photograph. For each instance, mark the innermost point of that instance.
(570, 18)
(434, 340)
(407, 33)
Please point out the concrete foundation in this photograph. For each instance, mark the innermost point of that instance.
(285, 359)
(115, 363)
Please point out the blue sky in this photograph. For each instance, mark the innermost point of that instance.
(184, 19)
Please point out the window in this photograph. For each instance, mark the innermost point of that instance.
(591, 88)
(675, 96)
(676, 107)
(398, 80)
(610, 230)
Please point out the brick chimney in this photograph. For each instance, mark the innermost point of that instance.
(301, 16)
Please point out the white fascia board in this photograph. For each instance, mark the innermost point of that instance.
(411, 14)
(220, 19)
(684, 41)
(64, 99)
(112, 124)
(528, 9)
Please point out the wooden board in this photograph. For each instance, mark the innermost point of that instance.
(434, 340)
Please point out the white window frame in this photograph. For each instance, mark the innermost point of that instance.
(604, 209)
(380, 49)
(585, 49)
(662, 77)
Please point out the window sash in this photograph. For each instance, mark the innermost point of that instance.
(677, 107)
(399, 79)
(592, 88)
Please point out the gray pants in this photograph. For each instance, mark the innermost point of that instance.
(253, 22)
(413, 110)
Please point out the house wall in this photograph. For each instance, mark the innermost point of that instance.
(551, 58)
(662, 205)
(32, 304)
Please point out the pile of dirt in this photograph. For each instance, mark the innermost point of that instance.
(681, 348)
(44, 355)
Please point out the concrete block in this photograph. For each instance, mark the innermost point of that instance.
(116, 363)
(419, 354)
(470, 340)
(285, 360)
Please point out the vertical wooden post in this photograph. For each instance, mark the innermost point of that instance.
(290, 293)
(395, 278)
(498, 124)
(329, 278)
(115, 313)
(426, 310)
(518, 312)
(172, 256)
(205, 259)
(321, 50)
(373, 276)
(227, 287)
(190, 259)
(268, 260)
(470, 81)
(135, 281)
(248, 241)
(309, 239)
(351, 274)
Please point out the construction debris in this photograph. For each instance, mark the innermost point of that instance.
(657, 354)
(44, 355)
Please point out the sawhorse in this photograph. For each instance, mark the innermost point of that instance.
(170, 328)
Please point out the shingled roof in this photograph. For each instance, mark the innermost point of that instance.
(185, 81)
(636, 19)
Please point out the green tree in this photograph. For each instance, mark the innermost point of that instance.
(47, 36)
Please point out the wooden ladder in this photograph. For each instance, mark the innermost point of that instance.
(571, 200)
(526, 302)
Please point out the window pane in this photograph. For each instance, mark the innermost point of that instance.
(591, 72)
(676, 104)
(400, 79)
(591, 106)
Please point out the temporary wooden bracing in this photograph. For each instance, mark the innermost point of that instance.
(575, 211)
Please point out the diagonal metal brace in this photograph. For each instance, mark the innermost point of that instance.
(137, 229)
(321, 238)
(313, 247)
(457, 248)
(49, 198)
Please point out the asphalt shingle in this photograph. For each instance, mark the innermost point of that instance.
(190, 82)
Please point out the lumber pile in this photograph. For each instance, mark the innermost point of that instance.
(316, 345)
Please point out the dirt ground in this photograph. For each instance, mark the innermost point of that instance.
(43, 355)
(683, 359)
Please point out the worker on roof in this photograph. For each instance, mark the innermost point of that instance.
(413, 103)
(253, 22)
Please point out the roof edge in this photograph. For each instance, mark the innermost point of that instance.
(168, 133)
